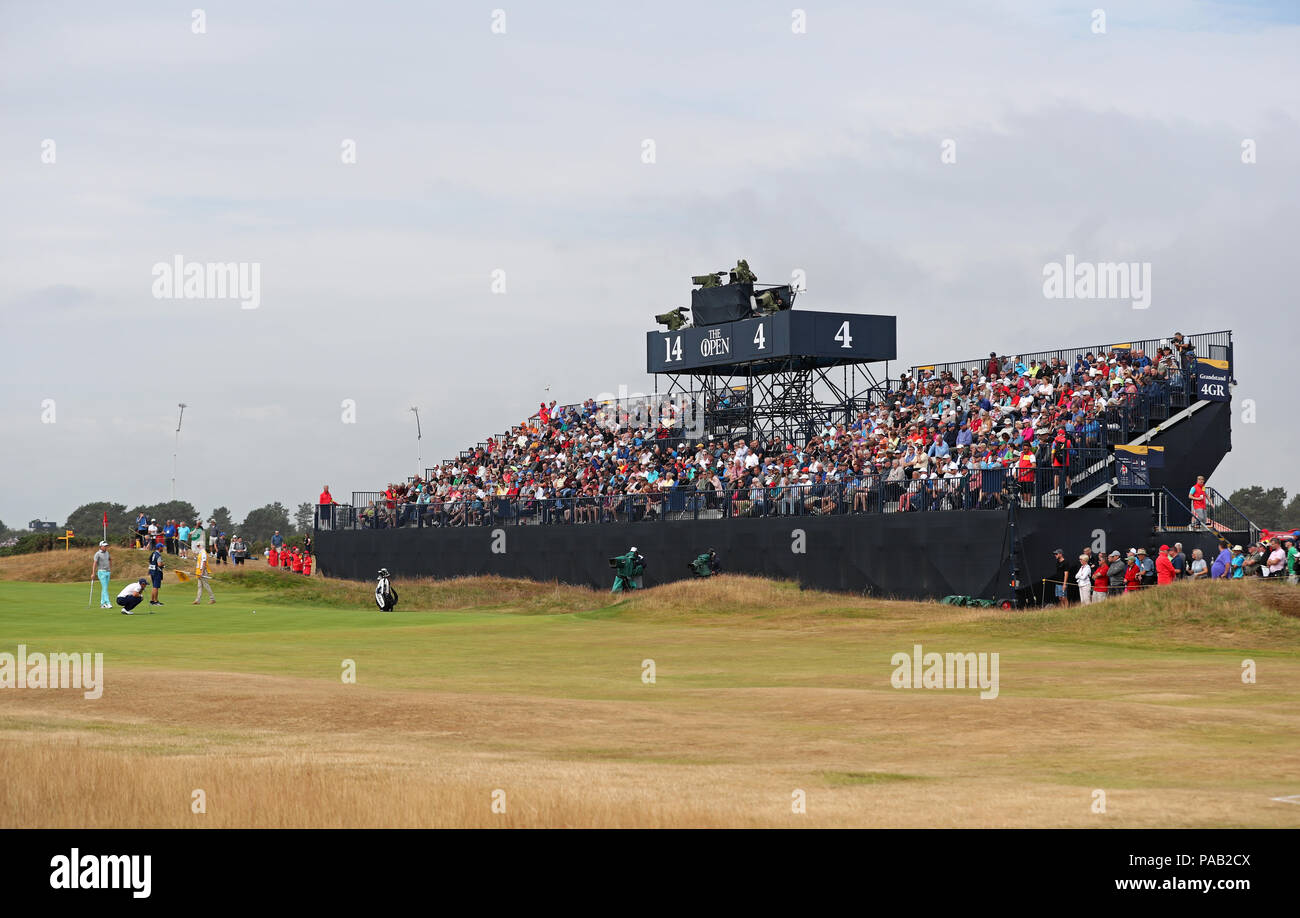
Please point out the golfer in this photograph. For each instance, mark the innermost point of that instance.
(201, 574)
(103, 566)
(130, 596)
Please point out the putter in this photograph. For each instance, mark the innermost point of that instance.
(90, 600)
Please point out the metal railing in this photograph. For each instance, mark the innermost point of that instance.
(1216, 345)
(1220, 514)
(983, 489)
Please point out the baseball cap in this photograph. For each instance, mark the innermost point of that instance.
(143, 581)
(103, 545)
(1141, 551)
(1236, 548)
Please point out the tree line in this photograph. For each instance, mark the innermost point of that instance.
(87, 520)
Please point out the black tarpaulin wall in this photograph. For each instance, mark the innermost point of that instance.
(715, 305)
(904, 555)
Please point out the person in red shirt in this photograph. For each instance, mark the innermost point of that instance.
(286, 561)
(1133, 575)
(272, 557)
(1026, 474)
(297, 561)
(1165, 572)
(1200, 501)
(306, 564)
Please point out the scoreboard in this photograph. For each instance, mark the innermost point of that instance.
(810, 338)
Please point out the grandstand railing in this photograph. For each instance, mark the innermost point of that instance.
(974, 489)
(1215, 345)
(1220, 514)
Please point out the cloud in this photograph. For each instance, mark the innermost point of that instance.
(522, 152)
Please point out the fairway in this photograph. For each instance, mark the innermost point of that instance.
(539, 697)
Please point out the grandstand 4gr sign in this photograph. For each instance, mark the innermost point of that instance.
(1212, 378)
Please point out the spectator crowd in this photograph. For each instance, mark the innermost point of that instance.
(975, 438)
(1091, 578)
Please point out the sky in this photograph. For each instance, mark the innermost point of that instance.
(452, 206)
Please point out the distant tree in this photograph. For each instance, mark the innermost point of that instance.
(224, 523)
(262, 522)
(1291, 513)
(87, 520)
(178, 510)
(1262, 507)
(304, 517)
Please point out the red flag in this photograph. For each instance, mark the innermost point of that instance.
(105, 517)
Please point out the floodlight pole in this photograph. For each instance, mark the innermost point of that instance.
(182, 406)
(418, 436)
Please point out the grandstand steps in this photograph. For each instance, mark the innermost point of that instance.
(1178, 433)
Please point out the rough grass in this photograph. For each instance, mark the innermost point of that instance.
(537, 690)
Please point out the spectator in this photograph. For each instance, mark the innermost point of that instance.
(1100, 578)
(183, 535)
(141, 531)
(1180, 561)
(1238, 563)
(1117, 574)
(1222, 566)
(326, 502)
(1200, 503)
(1275, 565)
(1164, 564)
(1147, 566)
(1133, 573)
(1256, 559)
(1063, 576)
(238, 550)
(1083, 580)
(277, 540)
(1291, 556)
(1199, 570)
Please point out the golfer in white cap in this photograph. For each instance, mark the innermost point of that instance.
(103, 566)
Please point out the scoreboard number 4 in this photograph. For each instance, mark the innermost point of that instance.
(759, 340)
(672, 349)
(844, 336)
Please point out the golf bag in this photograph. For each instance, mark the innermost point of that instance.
(385, 595)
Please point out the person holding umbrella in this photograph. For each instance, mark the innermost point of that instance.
(201, 574)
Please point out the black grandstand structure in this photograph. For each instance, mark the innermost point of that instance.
(804, 387)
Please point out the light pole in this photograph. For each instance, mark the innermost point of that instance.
(182, 406)
(418, 436)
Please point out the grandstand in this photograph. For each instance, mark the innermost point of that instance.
(1117, 430)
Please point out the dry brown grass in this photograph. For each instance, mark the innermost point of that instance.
(275, 751)
(71, 566)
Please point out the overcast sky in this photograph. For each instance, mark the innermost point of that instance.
(521, 151)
